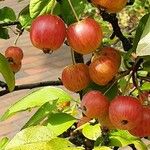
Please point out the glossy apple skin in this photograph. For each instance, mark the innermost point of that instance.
(48, 32)
(125, 112)
(113, 54)
(103, 70)
(143, 129)
(76, 77)
(84, 36)
(94, 104)
(14, 54)
(83, 120)
(111, 6)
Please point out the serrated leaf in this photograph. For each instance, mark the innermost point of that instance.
(3, 142)
(7, 73)
(40, 7)
(92, 132)
(79, 7)
(24, 17)
(4, 33)
(30, 135)
(144, 45)
(60, 122)
(41, 114)
(7, 14)
(102, 148)
(36, 99)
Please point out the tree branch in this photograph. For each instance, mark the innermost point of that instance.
(5, 24)
(31, 86)
(111, 18)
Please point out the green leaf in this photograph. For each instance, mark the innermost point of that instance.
(110, 89)
(37, 99)
(144, 45)
(123, 138)
(3, 142)
(39, 138)
(145, 86)
(79, 7)
(92, 132)
(139, 31)
(40, 7)
(60, 122)
(4, 33)
(7, 73)
(139, 145)
(41, 114)
(142, 73)
(29, 136)
(102, 148)
(124, 134)
(24, 17)
(118, 141)
(146, 66)
(7, 14)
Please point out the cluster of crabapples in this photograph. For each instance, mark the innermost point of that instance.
(123, 112)
(84, 37)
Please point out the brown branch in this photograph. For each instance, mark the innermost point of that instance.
(113, 20)
(31, 86)
(5, 24)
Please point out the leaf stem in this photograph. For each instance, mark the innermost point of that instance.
(72, 56)
(73, 10)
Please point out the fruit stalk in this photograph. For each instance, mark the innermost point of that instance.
(72, 56)
(74, 12)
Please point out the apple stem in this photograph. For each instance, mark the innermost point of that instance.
(52, 9)
(72, 57)
(18, 35)
(75, 14)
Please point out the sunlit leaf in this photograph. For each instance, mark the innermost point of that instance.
(92, 132)
(40, 7)
(60, 122)
(24, 17)
(37, 99)
(3, 142)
